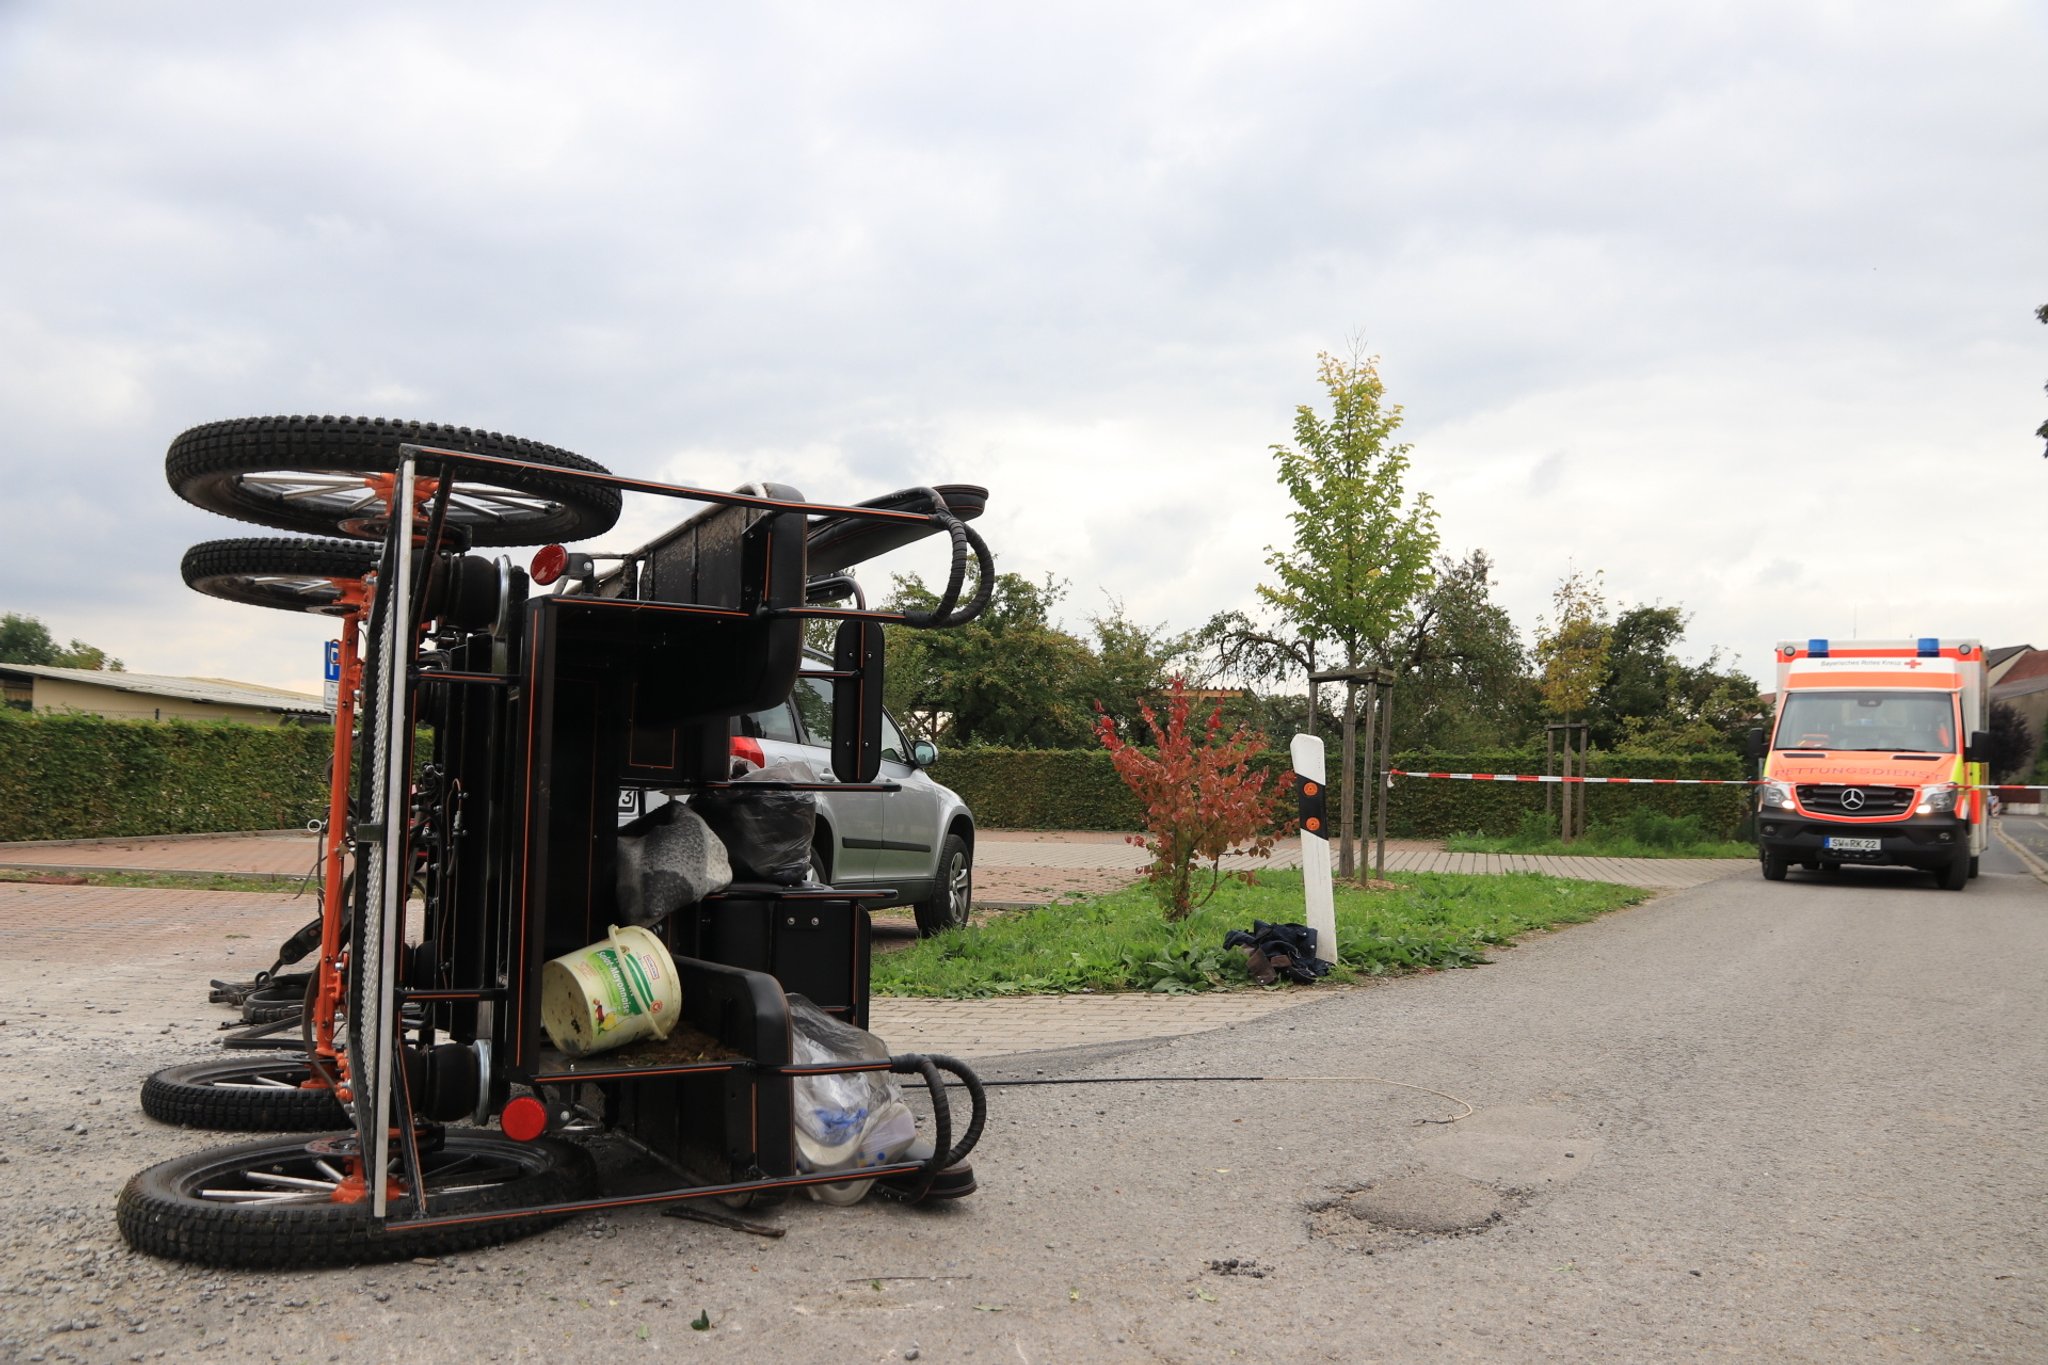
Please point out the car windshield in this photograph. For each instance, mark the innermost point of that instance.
(1923, 723)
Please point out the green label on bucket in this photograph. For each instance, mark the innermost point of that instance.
(639, 988)
(622, 1001)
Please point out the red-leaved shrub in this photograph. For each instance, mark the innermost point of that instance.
(1202, 800)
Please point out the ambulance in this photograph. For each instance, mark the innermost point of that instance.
(1876, 757)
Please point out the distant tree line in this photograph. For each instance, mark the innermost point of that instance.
(26, 640)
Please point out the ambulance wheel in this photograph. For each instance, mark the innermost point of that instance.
(1956, 875)
(310, 474)
(275, 1204)
(291, 575)
(1776, 864)
(258, 1095)
(1974, 861)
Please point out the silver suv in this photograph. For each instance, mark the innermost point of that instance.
(917, 842)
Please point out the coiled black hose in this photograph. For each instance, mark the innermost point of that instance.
(966, 541)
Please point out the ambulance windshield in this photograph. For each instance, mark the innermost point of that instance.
(1868, 722)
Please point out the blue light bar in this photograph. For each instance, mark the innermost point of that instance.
(1817, 649)
(1930, 648)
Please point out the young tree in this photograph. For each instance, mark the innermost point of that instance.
(1572, 649)
(1361, 548)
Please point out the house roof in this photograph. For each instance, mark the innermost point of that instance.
(2028, 674)
(219, 691)
(1994, 657)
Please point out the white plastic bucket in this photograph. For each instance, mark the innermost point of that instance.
(611, 993)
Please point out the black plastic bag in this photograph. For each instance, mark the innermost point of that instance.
(767, 833)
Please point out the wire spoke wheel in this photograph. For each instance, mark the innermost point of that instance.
(291, 575)
(288, 1202)
(315, 474)
(247, 1095)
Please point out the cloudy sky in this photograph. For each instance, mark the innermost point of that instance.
(1730, 302)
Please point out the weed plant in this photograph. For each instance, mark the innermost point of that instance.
(1645, 834)
(1120, 942)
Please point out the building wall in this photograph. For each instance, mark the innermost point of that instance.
(53, 694)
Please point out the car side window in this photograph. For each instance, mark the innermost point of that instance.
(777, 722)
(813, 698)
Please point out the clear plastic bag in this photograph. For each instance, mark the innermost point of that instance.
(766, 833)
(847, 1122)
(667, 859)
(832, 1110)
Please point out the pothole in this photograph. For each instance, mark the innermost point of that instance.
(1412, 1208)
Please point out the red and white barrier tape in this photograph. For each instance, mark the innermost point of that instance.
(1590, 781)
(1639, 781)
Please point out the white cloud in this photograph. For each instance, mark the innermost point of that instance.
(1707, 299)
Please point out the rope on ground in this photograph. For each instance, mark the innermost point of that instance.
(1470, 1109)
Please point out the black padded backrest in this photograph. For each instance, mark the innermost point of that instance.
(857, 702)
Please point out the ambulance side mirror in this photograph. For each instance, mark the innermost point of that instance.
(1753, 742)
(1979, 747)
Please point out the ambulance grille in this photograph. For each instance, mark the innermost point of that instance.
(1826, 799)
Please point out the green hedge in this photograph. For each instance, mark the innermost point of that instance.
(1434, 808)
(1040, 788)
(79, 776)
(1079, 789)
(76, 776)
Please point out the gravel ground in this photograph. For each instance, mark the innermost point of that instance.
(1751, 1121)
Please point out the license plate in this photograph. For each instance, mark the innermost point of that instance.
(1854, 845)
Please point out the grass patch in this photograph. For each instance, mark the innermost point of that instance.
(1119, 942)
(1646, 834)
(182, 881)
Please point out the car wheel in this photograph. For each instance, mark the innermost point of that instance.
(1776, 864)
(952, 893)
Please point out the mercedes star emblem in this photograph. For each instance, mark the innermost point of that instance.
(1852, 798)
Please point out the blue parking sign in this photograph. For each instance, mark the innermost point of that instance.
(331, 669)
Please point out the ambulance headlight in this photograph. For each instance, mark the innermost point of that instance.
(1775, 795)
(1937, 800)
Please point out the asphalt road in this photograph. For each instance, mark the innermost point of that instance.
(1750, 1121)
(2028, 831)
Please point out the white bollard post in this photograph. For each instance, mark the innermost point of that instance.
(1306, 753)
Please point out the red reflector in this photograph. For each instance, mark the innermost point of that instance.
(750, 750)
(548, 563)
(524, 1119)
